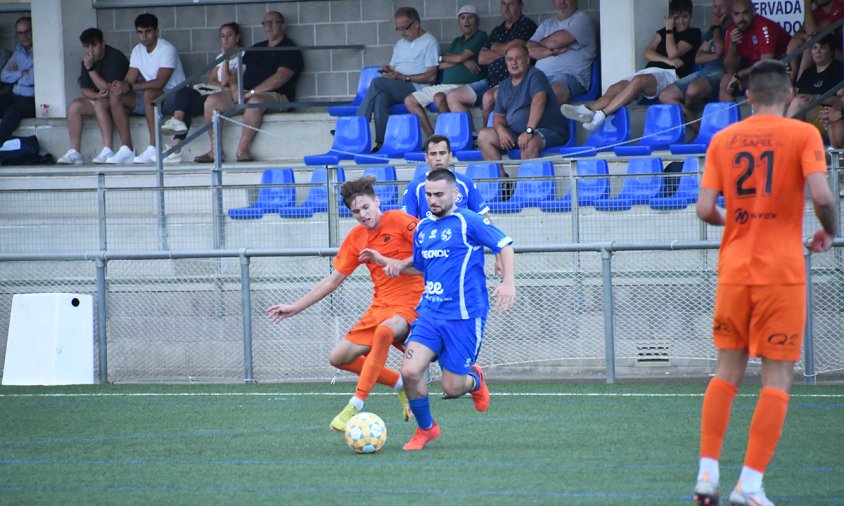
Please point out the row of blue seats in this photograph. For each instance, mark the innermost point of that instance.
(664, 129)
(647, 185)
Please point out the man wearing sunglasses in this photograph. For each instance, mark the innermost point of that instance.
(413, 66)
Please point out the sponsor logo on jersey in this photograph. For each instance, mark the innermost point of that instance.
(433, 234)
(434, 253)
(445, 235)
(420, 238)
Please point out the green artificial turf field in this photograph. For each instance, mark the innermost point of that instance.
(538, 443)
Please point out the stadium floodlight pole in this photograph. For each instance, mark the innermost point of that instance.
(609, 333)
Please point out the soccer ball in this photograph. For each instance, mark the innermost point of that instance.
(366, 433)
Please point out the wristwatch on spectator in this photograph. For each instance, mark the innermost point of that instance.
(530, 131)
(407, 79)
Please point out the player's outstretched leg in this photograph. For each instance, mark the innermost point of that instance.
(422, 437)
(480, 395)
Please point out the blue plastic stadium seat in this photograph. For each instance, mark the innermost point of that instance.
(351, 137)
(456, 126)
(402, 135)
(367, 74)
(528, 193)
(489, 190)
(420, 171)
(636, 190)
(472, 155)
(687, 189)
(615, 129)
(663, 127)
(388, 194)
(716, 116)
(317, 199)
(594, 85)
(588, 190)
(269, 200)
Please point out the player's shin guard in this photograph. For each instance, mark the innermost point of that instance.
(715, 417)
(766, 428)
(373, 364)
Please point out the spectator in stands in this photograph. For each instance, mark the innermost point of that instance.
(749, 39)
(190, 101)
(694, 90)
(459, 65)
(833, 121)
(817, 79)
(515, 29)
(412, 67)
(564, 48)
(825, 13)
(157, 62)
(101, 66)
(526, 115)
(269, 77)
(18, 71)
(670, 55)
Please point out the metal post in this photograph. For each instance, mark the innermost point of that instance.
(333, 211)
(808, 334)
(246, 311)
(101, 211)
(102, 342)
(159, 163)
(609, 333)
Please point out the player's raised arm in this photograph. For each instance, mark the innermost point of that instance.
(318, 292)
(505, 293)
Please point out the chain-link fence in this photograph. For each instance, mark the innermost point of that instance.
(177, 317)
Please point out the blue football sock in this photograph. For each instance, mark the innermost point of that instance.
(422, 411)
(474, 376)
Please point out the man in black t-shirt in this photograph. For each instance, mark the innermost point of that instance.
(101, 65)
(269, 77)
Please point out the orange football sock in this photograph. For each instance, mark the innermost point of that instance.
(373, 367)
(715, 417)
(387, 376)
(766, 428)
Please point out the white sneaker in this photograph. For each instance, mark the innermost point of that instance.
(103, 156)
(174, 157)
(597, 121)
(579, 112)
(122, 156)
(149, 155)
(72, 157)
(174, 126)
(739, 497)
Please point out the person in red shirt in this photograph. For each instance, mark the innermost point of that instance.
(761, 165)
(749, 39)
(365, 347)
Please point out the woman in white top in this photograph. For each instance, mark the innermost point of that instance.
(190, 101)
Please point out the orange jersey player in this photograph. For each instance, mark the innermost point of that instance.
(762, 165)
(387, 321)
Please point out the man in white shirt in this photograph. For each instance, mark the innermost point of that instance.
(413, 66)
(157, 61)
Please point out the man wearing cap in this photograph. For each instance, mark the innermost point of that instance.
(564, 47)
(459, 65)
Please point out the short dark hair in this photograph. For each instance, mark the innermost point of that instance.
(354, 188)
(828, 41)
(146, 20)
(235, 28)
(407, 12)
(436, 139)
(769, 82)
(442, 175)
(280, 15)
(680, 6)
(91, 36)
